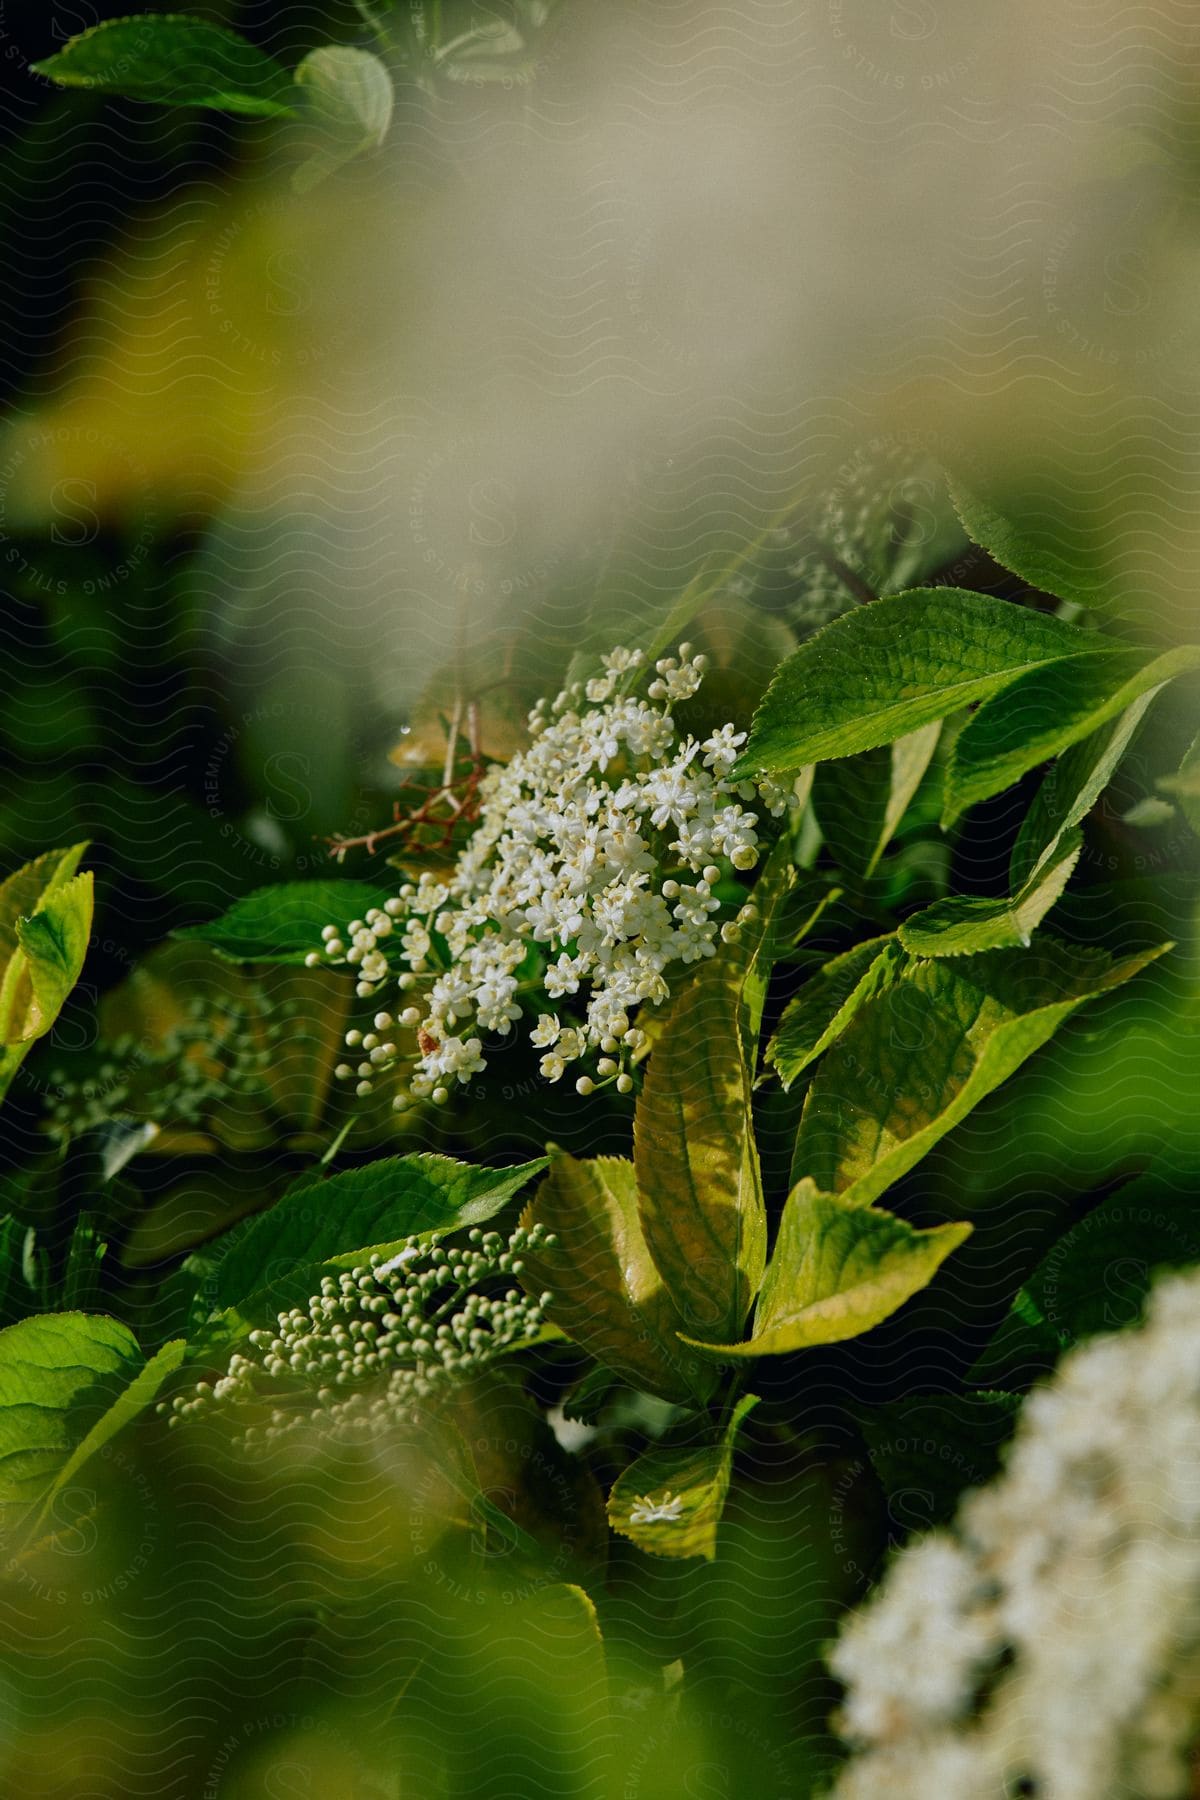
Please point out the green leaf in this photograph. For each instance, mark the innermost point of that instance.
(1096, 1277)
(837, 1270)
(608, 1296)
(348, 96)
(283, 924)
(966, 926)
(1069, 791)
(1185, 785)
(176, 61)
(1045, 550)
(1047, 711)
(125, 1408)
(699, 1183)
(890, 668)
(55, 941)
(928, 1448)
(277, 1257)
(60, 1373)
(827, 1002)
(45, 922)
(687, 1484)
(860, 800)
(914, 1061)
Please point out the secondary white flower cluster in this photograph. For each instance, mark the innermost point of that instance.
(218, 1056)
(1050, 1643)
(382, 1338)
(590, 874)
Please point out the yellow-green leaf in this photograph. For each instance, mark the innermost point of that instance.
(699, 1184)
(60, 1373)
(608, 1295)
(45, 922)
(914, 1061)
(838, 1270)
(671, 1499)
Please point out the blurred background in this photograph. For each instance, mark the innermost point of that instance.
(634, 292)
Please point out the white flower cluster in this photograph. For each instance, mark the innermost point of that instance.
(590, 874)
(384, 1337)
(1050, 1644)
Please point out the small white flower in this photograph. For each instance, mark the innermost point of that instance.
(646, 1511)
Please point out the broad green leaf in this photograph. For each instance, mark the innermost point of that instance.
(1048, 710)
(283, 924)
(348, 96)
(45, 922)
(1047, 551)
(826, 1003)
(1069, 791)
(125, 1408)
(927, 1449)
(278, 1256)
(608, 1295)
(889, 668)
(698, 1178)
(965, 926)
(837, 1270)
(59, 1374)
(914, 1061)
(176, 61)
(860, 800)
(670, 1500)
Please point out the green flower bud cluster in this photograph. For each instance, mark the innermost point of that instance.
(220, 1053)
(381, 1338)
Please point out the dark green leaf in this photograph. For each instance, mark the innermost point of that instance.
(927, 1449)
(283, 924)
(966, 926)
(1069, 791)
(828, 1001)
(176, 61)
(888, 669)
(1045, 712)
(860, 800)
(277, 1257)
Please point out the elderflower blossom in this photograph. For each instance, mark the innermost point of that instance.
(1050, 1643)
(378, 1340)
(588, 878)
(666, 1511)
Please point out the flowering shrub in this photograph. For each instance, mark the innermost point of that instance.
(554, 1365)
(568, 895)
